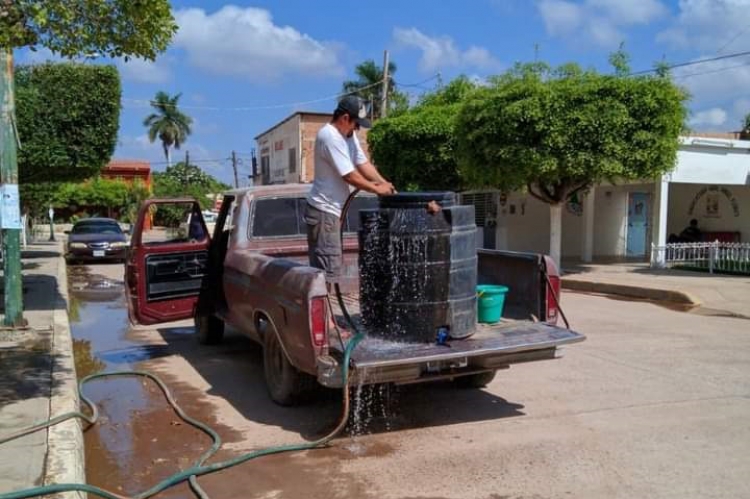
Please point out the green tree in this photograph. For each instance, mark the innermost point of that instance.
(416, 150)
(170, 125)
(745, 133)
(68, 115)
(71, 28)
(558, 132)
(183, 181)
(368, 85)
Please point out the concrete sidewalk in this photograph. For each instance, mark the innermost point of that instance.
(695, 291)
(39, 380)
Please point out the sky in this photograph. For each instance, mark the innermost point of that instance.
(242, 67)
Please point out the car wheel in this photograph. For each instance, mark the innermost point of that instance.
(479, 380)
(286, 385)
(210, 329)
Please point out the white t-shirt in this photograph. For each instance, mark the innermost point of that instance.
(335, 157)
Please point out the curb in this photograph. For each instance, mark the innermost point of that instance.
(656, 294)
(65, 462)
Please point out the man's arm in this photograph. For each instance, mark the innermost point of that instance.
(370, 172)
(364, 165)
(358, 180)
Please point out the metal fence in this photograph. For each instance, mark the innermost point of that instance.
(713, 257)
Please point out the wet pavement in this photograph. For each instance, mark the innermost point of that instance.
(653, 404)
(140, 441)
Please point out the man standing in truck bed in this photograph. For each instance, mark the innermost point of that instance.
(339, 164)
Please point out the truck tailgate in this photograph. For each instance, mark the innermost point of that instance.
(491, 347)
(504, 339)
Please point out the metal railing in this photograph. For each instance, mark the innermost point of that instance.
(713, 257)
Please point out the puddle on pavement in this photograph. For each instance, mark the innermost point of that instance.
(138, 440)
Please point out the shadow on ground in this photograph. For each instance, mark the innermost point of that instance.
(234, 371)
(27, 371)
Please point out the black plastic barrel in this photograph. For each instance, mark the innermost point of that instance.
(418, 270)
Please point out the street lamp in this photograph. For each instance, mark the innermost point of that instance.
(51, 223)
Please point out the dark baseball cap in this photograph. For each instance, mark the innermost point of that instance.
(355, 107)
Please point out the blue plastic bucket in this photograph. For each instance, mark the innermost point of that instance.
(490, 302)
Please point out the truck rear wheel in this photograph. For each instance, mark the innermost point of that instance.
(479, 380)
(210, 329)
(286, 384)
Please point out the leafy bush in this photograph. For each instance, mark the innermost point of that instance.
(68, 115)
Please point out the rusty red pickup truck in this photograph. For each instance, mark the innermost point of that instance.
(253, 275)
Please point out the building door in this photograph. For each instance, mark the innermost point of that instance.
(638, 217)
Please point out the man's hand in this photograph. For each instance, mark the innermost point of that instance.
(384, 189)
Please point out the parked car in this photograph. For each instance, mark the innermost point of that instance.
(94, 239)
(253, 274)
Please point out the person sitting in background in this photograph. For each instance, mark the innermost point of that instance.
(691, 233)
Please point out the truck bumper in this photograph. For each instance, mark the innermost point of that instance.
(330, 375)
(377, 361)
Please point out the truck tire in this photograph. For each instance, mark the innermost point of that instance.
(210, 329)
(286, 385)
(479, 380)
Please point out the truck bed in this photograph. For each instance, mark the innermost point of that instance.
(490, 347)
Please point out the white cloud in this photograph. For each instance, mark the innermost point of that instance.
(246, 42)
(597, 21)
(710, 117)
(629, 12)
(441, 52)
(144, 71)
(717, 81)
(709, 25)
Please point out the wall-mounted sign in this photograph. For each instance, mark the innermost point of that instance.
(709, 199)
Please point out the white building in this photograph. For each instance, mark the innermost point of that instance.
(711, 183)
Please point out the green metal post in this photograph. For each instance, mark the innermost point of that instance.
(9, 180)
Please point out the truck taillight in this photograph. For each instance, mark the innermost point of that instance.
(553, 295)
(318, 323)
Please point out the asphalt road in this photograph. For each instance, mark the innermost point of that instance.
(654, 404)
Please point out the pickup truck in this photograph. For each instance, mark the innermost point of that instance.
(253, 275)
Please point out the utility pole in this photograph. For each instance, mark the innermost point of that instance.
(384, 96)
(187, 163)
(234, 167)
(10, 202)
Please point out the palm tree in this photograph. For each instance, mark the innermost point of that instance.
(369, 86)
(168, 123)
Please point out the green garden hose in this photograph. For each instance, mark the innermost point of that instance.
(199, 468)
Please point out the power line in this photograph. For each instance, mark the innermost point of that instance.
(149, 102)
(692, 63)
(742, 32)
(419, 83)
(712, 71)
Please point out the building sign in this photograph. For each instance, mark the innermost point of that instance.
(709, 198)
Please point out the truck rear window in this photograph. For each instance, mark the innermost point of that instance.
(276, 217)
(285, 216)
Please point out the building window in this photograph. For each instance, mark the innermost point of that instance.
(293, 160)
(265, 169)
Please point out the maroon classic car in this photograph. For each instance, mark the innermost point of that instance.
(253, 274)
(96, 239)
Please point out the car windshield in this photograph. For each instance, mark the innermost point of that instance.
(97, 228)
